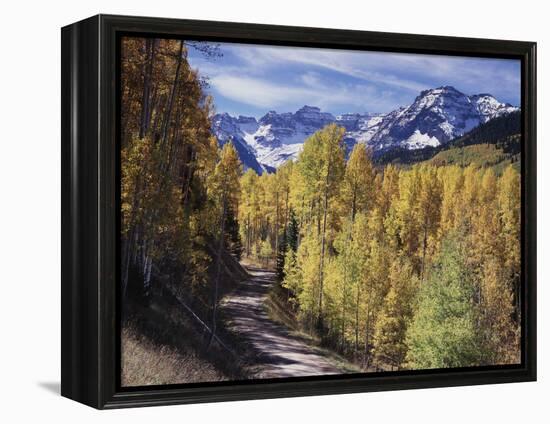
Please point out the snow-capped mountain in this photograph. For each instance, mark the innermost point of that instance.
(227, 128)
(489, 107)
(435, 117)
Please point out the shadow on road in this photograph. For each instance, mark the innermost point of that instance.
(278, 353)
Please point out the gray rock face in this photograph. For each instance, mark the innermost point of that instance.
(435, 117)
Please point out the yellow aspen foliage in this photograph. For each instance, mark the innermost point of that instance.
(509, 211)
(394, 266)
(368, 240)
(407, 213)
(357, 191)
(488, 223)
(308, 259)
(429, 212)
(389, 189)
(224, 183)
(452, 178)
(390, 347)
(497, 308)
(248, 209)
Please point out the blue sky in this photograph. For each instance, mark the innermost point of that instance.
(253, 79)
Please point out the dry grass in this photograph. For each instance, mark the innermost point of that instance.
(146, 363)
(279, 310)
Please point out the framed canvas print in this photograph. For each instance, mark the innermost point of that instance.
(254, 211)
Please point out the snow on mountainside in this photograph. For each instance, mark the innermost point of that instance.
(226, 128)
(489, 107)
(435, 117)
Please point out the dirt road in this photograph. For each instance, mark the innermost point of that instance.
(279, 353)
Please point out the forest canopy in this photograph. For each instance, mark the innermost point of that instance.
(398, 268)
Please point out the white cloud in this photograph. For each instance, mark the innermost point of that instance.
(257, 92)
(283, 78)
(472, 75)
(268, 94)
(351, 64)
(311, 79)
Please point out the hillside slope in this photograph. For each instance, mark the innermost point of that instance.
(496, 141)
(479, 155)
(166, 335)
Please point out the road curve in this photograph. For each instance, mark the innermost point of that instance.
(278, 352)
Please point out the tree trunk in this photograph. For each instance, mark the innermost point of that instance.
(218, 271)
(353, 204)
(153, 103)
(132, 239)
(357, 321)
(146, 97)
(157, 121)
(248, 234)
(287, 211)
(318, 217)
(367, 331)
(276, 226)
(188, 174)
(424, 246)
(302, 219)
(323, 247)
(127, 256)
(345, 282)
(172, 95)
(147, 272)
(344, 314)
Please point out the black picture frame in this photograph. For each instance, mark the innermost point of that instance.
(90, 191)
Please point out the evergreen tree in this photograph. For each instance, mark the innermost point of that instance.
(443, 330)
(292, 275)
(289, 242)
(233, 242)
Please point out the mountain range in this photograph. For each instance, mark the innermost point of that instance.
(435, 117)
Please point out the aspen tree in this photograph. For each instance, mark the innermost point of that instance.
(225, 189)
(429, 206)
(509, 210)
(391, 326)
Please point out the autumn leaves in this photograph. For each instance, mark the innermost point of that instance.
(396, 268)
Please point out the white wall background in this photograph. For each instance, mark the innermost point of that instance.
(30, 211)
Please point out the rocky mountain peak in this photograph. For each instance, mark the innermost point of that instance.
(436, 116)
(308, 109)
(246, 120)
